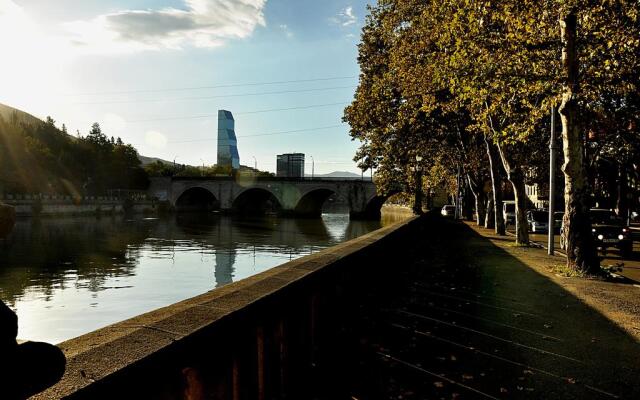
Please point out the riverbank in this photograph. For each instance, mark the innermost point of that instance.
(30, 206)
(267, 336)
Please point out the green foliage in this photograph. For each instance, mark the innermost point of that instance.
(40, 158)
(159, 168)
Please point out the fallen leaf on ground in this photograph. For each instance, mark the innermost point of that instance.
(438, 384)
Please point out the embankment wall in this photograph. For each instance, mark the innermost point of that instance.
(277, 334)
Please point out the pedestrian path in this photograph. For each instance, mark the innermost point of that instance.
(464, 319)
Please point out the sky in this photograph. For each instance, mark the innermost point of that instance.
(155, 72)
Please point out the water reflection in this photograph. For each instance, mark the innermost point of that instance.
(68, 276)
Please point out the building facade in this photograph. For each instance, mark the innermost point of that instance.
(228, 155)
(290, 165)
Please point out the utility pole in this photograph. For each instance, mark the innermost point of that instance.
(255, 163)
(458, 214)
(552, 183)
(417, 201)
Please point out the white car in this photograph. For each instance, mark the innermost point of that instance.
(509, 212)
(448, 211)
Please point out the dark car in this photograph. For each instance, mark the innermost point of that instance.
(557, 220)
(538, 221)
(610, 231)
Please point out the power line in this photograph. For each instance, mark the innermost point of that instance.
(238, 113)
(216, 96)
(180, 89)
(260, 134)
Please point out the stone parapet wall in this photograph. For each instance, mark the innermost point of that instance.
(269, 336)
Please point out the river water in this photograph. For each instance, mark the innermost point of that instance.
(68, 276)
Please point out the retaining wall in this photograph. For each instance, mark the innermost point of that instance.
(274, 335)
(26, 206)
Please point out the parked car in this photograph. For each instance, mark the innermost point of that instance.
(538, 221)
(557, 220)
(448, 211)
(509, 212)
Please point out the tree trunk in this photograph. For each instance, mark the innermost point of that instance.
(516, 178)
(496, 185)
(522, 226)
(581, 252)
(477, 188)
(489, 221)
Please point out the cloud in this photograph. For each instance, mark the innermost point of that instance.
(202, 23)
(345, 17)
(155, 139)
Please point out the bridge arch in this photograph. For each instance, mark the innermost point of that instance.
(373, 208)
(310, 204)
(256, 201)
(197, 199)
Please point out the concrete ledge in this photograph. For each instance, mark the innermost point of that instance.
(161, 343)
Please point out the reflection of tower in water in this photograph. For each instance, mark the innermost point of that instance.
(224, 266)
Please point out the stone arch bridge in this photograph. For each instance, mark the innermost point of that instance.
(286, 196)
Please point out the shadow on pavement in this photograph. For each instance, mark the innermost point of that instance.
(458, 317)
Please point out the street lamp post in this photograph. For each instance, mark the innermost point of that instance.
(255, 164)
(552, 183)
(417, 201)
(202, 167)
(313, 167)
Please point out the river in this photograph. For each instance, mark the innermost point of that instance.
(68, 276)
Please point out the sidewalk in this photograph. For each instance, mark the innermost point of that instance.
(468, 315)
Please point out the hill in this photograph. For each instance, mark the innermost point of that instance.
(152, 160)
(37, 157)
(7, 112)
(338, 175)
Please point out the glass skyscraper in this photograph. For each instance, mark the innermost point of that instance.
(227, 142)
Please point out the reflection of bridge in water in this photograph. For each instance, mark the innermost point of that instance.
(300, 197)
(227, 237)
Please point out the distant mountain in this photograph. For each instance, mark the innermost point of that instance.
(150, 160)
(338, 175)
(6, 112)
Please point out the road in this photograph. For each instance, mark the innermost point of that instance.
(631, 267)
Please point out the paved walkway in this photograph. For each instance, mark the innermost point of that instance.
(463, 317)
